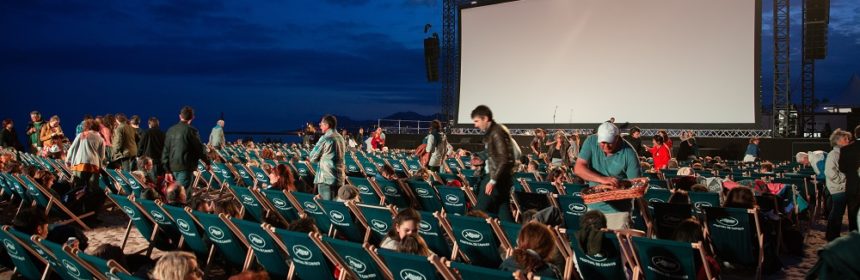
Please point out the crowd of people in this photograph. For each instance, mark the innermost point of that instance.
(169, 164)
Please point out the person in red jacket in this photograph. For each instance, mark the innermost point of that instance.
(660, 153)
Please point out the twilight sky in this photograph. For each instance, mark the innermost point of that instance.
(267, 65)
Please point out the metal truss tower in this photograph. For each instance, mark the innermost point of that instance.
(450, 61)
(816, 17)
(782, 125)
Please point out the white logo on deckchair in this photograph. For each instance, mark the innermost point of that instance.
(356, 264)
(701, 204)
(665, 264)
(389, 190)
(596, 258)
(260, 176)
(353, 168)
(10, 247)
(216, 233)
(413, 167)
(409, 274)
(655, 200)
(310, 206)
(424, 226)
(256, 241)
(423, 192)
(378, 225)
(542, 191)
(183, 225)
(128, 211)
(71, 268)
(364, 189)
(336, 216)
(280, 203)
(452, 198)
(157, 216)
(728, 221)
(301, 252)
(577, 208)
(472, 235)
(247, 200)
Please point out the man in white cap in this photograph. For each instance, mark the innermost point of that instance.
(606, 159)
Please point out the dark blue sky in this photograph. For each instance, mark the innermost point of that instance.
(268, 65)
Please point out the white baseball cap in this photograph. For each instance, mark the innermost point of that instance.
(607, 132)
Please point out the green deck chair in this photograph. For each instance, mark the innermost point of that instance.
(667, 217)
(736, 235)
(453, 200)
(356, 258)
(476, 240)
(433, 234)
(24, 258)
(266, 251)
(249, 201)
(378, 219)
(308, 260)
(393, 193)
(609, 265)
(572, 207)
(666, 259)
(467, 271)
(366, 190)
(313, 210)
(426, 195)
(193, 236)
(408, 266)
(279, 201)
(233, 248)
(343, 220)
(704, 199)
(73, 268)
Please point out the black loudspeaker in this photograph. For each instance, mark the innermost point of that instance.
(431, 57)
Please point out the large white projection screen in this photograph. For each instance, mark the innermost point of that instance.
(646, 62)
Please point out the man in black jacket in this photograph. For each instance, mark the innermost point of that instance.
(8, 137)
(495, 196)
(182, 149)
(152, 144)
(849, 163)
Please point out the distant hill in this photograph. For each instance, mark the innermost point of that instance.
(353, 124)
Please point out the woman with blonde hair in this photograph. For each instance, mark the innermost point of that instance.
(177, 265)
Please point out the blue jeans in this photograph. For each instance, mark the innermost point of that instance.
(183, 178)
(326, 191)
(837, 211)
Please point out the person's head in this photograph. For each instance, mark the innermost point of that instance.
(699, 188)
(44, 178)
(186, 114)
(535, 246)
(766, 167)
(121, 118)
(108, 251)
(663, 133)
(202, 204)
(673, 163)
(635, 132)
(8, 124)
(153, 122)
(31, 221)
(533, 166)
(35, 116)
(328, 122)
(477, 214)
(593, 219)
(413, 244)
(754, 140)
(857, 132)
(612, 119)
(54, 121)
(227, 207)
(387, 171)
(435, 126)
(347, 193)
(177, 265)
(108, 121)
(176, 193)
(134, 121)
(658, 140)
(145, 163)
(539, 132)
(688, 231)
(557, 175)
(303, 225)
(482, 117)
(679, 197)
(840, 138)
(220, 123)
(740, 197)
(802, 158)
(250, 275)
(405, 223)
(607, 137)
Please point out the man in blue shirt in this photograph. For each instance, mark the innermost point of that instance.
(606, 159)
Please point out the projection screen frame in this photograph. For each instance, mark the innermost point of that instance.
(757, 92)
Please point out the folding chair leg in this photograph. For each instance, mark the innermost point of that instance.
(47, 270)
(211, 253)
(125, 238)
